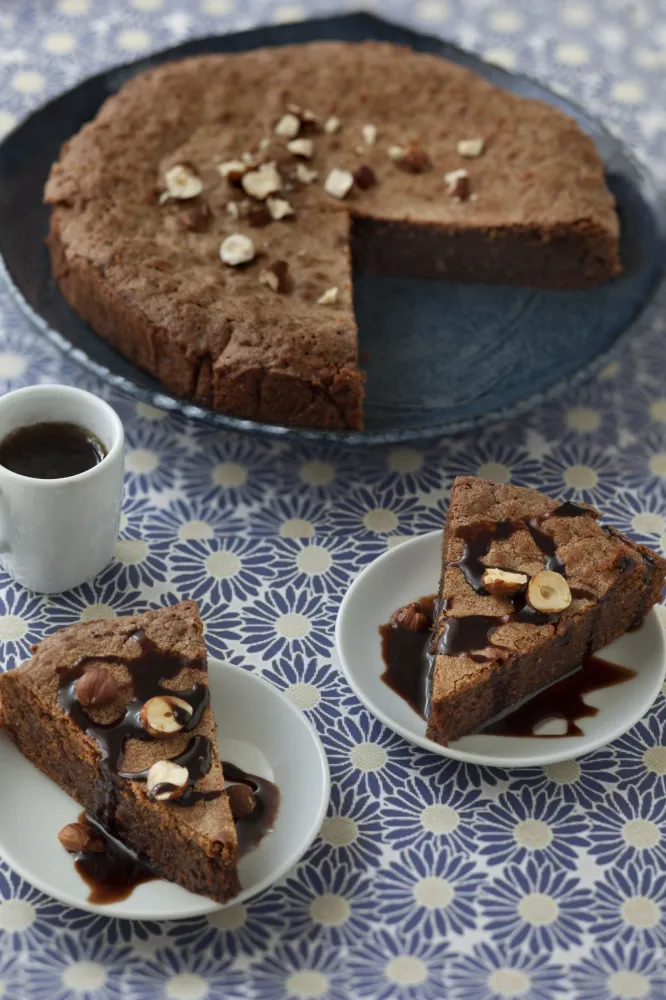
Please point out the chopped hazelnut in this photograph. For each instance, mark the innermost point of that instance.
(164, 715)
(263, 181)
(396, 152)
(233, 170)
(501, 582)
(96, 687)
(276, 276)
(289, 126)
(237, 249)
(329, 298)
(241, 800)
(79, 837)
(166, 780)
(339, 183)
(457, 184)
(414, 159)
(332, 125)
(411, 618)
(182, 183)
(304, 174)
(369, 133)
(301, 147)
(471, 148)
(278, 208)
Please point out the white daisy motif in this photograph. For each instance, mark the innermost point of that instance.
(299, 971)
(630, 904)
(184, 975)
(643, 464)
(580, 471)
(295, 517)
(500, 973)
(619, 972)
(222, 568)
(72, 968)
(403, 967)
(323, 565)
(21, 622)
(231, 470)
(641, 756)
(492, 456)
(351, 831)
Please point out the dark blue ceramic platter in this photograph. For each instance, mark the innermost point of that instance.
(444, 357)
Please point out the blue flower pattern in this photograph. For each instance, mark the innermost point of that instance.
(429, 878)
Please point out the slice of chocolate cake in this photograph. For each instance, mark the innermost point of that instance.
(529, 586)
(118, 714)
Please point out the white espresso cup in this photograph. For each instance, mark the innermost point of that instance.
(58, 533)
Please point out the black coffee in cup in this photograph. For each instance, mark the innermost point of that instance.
(50, 450)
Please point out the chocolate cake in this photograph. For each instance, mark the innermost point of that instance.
(529, 586)
(117, 713)
(206, 221)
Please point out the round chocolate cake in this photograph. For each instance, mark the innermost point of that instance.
(206, 221)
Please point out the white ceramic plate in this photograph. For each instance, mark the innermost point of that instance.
(258, 728)
(412, 570)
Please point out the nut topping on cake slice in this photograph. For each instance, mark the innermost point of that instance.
(529, 586)
(143, 759)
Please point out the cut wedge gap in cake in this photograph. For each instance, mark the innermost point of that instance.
(529, 586)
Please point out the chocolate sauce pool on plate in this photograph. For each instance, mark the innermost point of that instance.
(409, 664)
(113, 872)
(562, 700)
(251, 829)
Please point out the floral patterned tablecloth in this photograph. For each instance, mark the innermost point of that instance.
(430, 879)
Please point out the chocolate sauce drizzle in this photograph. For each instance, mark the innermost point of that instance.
(407, 660)
(252, 828)
(562, 700)
(474, 632)
(114, 871)
(409, 656)
(146, 672)
(409, 667)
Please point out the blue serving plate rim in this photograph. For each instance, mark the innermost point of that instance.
(323, 29)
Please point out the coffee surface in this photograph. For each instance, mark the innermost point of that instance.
(50, 450)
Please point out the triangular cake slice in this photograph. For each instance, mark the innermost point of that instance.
(99, 705)
(562, 586)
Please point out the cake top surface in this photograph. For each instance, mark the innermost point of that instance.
(536, 169)
(147, 656)
(522, 531)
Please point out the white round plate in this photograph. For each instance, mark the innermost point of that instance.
(412, 570)
(258, 728)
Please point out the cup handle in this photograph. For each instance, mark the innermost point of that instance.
(4, 526)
